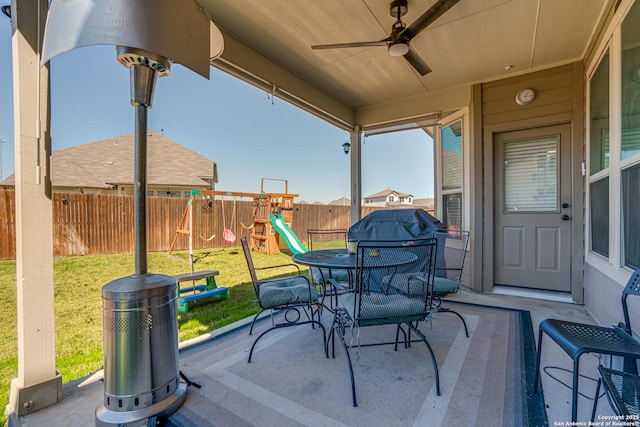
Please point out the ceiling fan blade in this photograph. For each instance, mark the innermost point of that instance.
(416, 62)
(356, 44)
(433, 13)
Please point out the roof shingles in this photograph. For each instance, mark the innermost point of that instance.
(103, 164)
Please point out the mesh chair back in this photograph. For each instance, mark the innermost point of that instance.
(378, 264)
(327, 239)
(452, 250)
(247, 256)
(632, 288)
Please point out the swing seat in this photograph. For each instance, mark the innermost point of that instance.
(228, 236)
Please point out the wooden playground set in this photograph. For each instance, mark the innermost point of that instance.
(263, 237)
(271, 213)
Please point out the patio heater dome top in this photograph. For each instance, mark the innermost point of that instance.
(181, 31)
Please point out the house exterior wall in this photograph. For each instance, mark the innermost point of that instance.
(391, 199)
(562, 97)
(598, 287)
(375, 204)
(604, 278)
(375, 201)
(559, 100)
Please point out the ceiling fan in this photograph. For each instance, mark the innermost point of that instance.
(398, 42)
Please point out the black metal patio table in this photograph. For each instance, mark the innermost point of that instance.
(342, 259)
(339, 259)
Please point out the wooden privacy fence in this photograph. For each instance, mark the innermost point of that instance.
(85, 224)
(7, 225)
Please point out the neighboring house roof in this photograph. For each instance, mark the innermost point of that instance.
(104, 164)
(386, 192)
(341, 201)
(427, 202)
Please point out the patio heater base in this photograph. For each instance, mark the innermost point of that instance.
(140, 345)
(142, 417)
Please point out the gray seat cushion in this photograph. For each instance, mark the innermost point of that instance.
(321, 275)
(286, 291)
(378, 309)
(442, 285)
(404, 283)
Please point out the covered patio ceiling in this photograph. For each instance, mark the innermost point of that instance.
(268, 43)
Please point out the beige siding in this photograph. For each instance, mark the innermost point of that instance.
(554, 90)
(559, 99)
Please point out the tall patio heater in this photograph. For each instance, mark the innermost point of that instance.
(140, 337)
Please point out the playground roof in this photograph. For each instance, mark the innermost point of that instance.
(103, 164)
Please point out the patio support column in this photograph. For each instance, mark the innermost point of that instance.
(37, 385)
(356, 174)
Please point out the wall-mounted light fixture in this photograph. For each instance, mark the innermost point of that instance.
(346, 147)
(6, 10)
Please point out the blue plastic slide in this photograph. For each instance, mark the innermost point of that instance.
(287, 234)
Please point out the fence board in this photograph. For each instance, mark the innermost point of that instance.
(7, 224)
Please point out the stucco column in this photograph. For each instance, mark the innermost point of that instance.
(37, 385)
(356, 174)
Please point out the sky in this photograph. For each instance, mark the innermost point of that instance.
(249, 135)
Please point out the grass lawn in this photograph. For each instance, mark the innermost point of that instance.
(78, 304)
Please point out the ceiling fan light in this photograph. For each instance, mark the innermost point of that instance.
(398, 49)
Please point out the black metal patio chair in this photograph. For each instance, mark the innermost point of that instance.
(373, 302)
(292, 295)
(577, 339)
(623, 393)
(452, 250)
(447, 270)
(340, 278)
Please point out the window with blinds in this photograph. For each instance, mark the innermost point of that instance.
(630, 93)
(599, 158)
(531, 175)
(631, 216)
(452, 156)
(599, 211)
(452, 176)
(452, 212)
(599, 116)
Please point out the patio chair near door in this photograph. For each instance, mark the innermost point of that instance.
(340, 278)
(452, 250)
(447, 270)
(373, 302)
(292, 295)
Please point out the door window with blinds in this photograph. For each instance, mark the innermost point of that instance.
(531, 175)
(451, 137)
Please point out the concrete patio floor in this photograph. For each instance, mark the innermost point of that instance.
(81, 397)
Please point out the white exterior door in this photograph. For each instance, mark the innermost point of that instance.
(532, 210)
